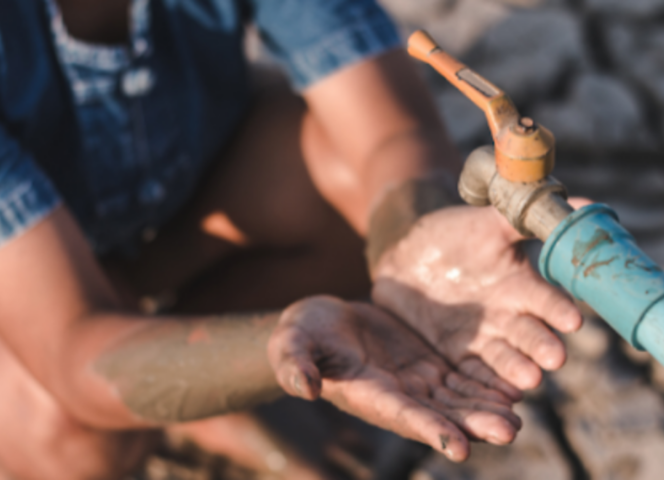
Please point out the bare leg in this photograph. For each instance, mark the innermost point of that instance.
(266, 238)
(40, 440)
(258, 235)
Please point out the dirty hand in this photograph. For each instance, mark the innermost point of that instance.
(459, 278)
(371, 365)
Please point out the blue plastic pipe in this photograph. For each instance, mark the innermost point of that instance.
(594, 258)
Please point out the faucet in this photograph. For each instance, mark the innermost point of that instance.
(587, 252)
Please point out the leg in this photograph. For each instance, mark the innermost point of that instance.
(262, 235)
(259, 234)
(40, 440)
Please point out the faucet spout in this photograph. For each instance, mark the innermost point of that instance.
(535, 209)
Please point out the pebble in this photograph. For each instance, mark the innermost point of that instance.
(529, 52)
(417, 12)
(610, 416)
(601, 112)
(641, 9)
(465, 122)
(465, 24)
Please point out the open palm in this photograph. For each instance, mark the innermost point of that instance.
(460, 279)
(371, 365)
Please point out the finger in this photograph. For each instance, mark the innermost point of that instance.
(511, 365)
(453, 401)
(469, 388)
(415, 385)
(390, 409)
(479, 424)
(484, 425)
(430, 370)
(478, 370)
(556, 308)
(293, 365)
(535, 340)
(299, 377)
(579, 202)
(422, 423)
(504, 227)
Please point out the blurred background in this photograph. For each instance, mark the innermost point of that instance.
(592, 71)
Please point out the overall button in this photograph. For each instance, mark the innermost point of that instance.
(151, 192)
(141, 46)
(138, 82)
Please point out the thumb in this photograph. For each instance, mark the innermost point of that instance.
(299, 378)
(578, 202)
(293, 365)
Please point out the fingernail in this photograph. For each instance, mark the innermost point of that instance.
(444, 441)
(297, 383)
(495, 440)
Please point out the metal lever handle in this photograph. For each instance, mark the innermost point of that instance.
(524, 150)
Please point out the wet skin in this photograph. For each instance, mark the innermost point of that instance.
(356, 134)
(354, 355)
(371, 365)
(474, 298)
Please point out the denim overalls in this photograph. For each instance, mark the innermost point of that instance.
(122, 134)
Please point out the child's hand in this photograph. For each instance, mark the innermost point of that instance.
(460, 279)
(371, 365)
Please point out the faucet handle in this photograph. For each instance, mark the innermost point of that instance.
(524, 150)
(478, 89)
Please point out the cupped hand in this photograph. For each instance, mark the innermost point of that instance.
(461, 279)
(371, 365)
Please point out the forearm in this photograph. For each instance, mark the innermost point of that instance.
(383, 129)
(160, 371)
(420, 152)
(109, 367)
(401, 207)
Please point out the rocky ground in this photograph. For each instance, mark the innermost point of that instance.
(592, 71)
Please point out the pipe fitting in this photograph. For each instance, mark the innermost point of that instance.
(533, 208)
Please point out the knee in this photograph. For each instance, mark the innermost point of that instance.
(63, 449)
(86, 454)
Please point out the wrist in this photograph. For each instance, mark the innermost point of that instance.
(185, 370)
(402, 206)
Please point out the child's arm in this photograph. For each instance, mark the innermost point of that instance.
(455, 274)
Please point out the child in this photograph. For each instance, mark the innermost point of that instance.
(137, 162)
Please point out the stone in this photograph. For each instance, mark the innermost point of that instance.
(636, 51)
(534, 454)
(165, 469)
(617, 434)
(639, 189)
(657, 375)
(601, 113)
(637, 357)
(654, 248)
(465, 122)
(417, 12)
(592, 341)
(465, 24)
(642, 9)
(639, 220)
(610, 416)
(529, 52)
